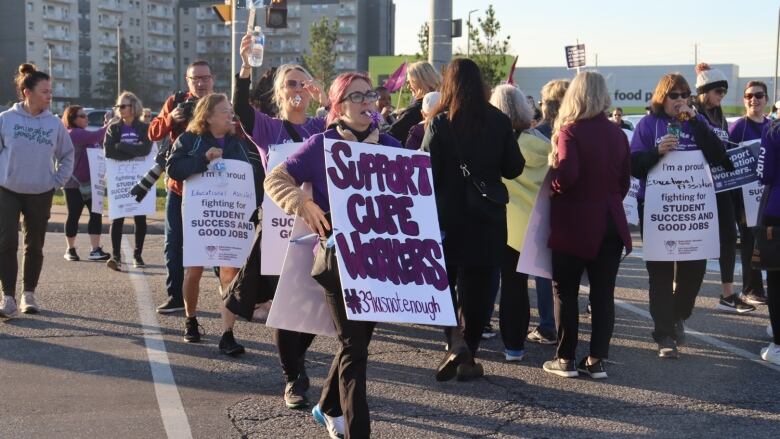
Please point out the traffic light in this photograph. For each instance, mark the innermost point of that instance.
(276, 14)
(224, 11)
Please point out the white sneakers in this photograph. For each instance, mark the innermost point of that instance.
(335, 426)
(771, 354)
(28, 305)
(8, 309)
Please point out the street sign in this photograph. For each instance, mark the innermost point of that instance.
(575, 56)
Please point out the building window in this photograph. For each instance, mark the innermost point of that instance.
(186, 60)
(31, 45)
(30, 6)
(31, 26)
(186, 44)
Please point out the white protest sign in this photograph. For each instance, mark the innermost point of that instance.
(121, 176)
(752, 192)
(215, 216)
(630, 203)
(299, 303)
(277, 225)
(97, 178)
(535, 256)
(680, 217)
(386, 229)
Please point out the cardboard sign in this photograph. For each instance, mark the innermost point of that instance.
(386, 230)
(681, 214)
(121, 176)
(631, 204)
(97, 178)
(216, 207)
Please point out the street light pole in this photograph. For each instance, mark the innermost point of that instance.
(119, 58)
(50, 71)
(468, 33)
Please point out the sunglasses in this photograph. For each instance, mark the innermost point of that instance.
(357, 97)
(294, 83)
(760, 95)
(721, 91)
(122, 106)
(675, 95)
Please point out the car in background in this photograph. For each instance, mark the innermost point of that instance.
(633, 118)
(96, 117)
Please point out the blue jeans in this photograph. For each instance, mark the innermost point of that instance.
(544, 304)
(174, 243)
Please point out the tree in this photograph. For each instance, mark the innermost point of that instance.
(322, 61)
(423, 38)
(488, 51)
(132, 77)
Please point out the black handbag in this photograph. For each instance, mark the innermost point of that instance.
(325, 269)
(249, 287)
(766, 252)
(486, 200)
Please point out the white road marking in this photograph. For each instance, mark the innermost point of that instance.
(174, 417)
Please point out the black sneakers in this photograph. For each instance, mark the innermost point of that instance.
(295, 393)
(228, 345)
(595, 370)
(667, 348)
(171, 305)
(114, 263)
(191, 332)
(561, 367)
(735, 304)
(138, 261)
(679, 333)
(71, 255)
(469, 370)
(98, 255)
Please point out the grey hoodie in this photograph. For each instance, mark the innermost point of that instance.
(36, 153)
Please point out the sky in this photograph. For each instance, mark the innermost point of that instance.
(628, 32)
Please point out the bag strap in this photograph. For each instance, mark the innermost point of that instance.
(291, 131)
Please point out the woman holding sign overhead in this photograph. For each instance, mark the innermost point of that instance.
(672, 126)
(293, 90)
(342, 408)
(126, 139)
(750, 127)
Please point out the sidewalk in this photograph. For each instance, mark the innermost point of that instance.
(155, 223)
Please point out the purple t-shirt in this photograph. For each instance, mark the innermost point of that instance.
(128, 134)
(83, 139)
(220, 142)
(271, 131)
(744, 129)
(769, 167)
(308, 164)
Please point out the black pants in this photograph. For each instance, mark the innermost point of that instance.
(35, 210)
(344, 392)
(773, 290)
(602, 272)
(76, 204)
(292, 348)
(116, 235)
(727, 229)
(752, 282)
(514, 310)
(473, 296)
(673, 290)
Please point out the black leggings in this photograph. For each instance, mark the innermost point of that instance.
(116, 235)
(76, 204)
(727, 225)
(773, 290)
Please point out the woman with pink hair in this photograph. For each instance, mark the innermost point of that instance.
(343, 407)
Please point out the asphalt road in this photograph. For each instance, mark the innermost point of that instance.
(98, 363)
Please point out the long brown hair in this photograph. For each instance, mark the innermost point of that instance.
(205, 108)
(70, 114)
(668, 82)
(463, 95)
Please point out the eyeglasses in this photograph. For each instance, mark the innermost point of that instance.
(294, 83)
(675, 95)
(205, 78)
(123, 106)
(759, 95)
(357, 97)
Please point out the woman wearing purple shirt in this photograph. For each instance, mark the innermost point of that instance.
(674, 285)
(342, 408)
(745, 129)
(75, 120)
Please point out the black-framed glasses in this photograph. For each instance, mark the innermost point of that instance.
(758, 95)
(677, 95)
(358, 97)
(123, 106)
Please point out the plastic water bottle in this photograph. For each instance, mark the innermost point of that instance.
(258, 47)
(221, 168)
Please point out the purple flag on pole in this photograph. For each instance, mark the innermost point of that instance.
(397, 79)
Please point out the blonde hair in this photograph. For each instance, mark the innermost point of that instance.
(279, 85)
(512, 102)
(203, 111)
(586, 97)
(552, 95)
(138, 107)
(424, 75)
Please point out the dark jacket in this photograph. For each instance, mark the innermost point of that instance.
(472, 238)
(118, 150)
(407, 118)
(590, 182)
(188, 157)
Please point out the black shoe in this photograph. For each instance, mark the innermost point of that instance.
(595, 370)
(171, 305)
(735, 304)
(448, 367)
(679, 333)
(469, 370)
(295, 394)
(114, 263)
(71, 255)
(98, 255)
(228, 345)
(667, 348)
(754, 298)
(191, 332)
(561, 367)
(138, 261)
(538, 336)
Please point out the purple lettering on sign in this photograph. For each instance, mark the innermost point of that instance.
(378, 213)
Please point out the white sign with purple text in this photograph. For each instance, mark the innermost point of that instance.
(386, 229)
(121, 176)
(752, 192)
(97, 178)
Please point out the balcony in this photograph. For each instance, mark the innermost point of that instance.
(160, 30)
(159, 13)
(111, 5)
(64, 2)
(220, 31)
(110, 23)
(164, 48)
(346, 30)
(346, 12)
(108, 42)
(346, 48)
(57, 36)
(61, 74)
(56, 15)
(161, 65)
